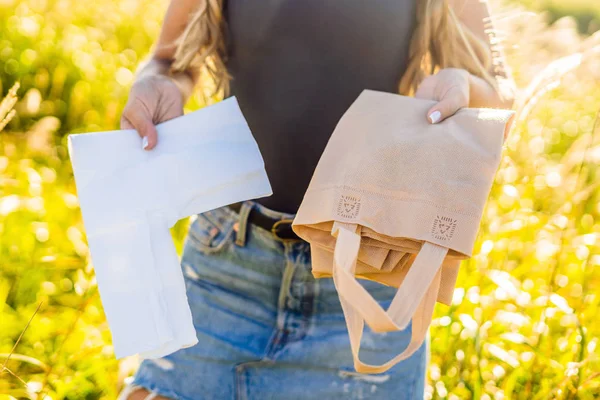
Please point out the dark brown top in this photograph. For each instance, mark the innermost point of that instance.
(297, 65)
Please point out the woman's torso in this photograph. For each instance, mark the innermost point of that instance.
(298, 65)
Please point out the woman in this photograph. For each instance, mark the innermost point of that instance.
(266, 328)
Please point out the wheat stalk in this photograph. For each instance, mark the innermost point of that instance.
(6, 106)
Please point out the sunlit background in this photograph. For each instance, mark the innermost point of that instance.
(524, 322)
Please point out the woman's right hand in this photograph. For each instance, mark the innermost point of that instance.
(153, 99)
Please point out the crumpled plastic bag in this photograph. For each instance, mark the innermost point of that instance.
(129, 199)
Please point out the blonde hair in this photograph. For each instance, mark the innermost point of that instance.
(440, 40)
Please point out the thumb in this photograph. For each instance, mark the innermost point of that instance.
(142, 123)
(445, 108)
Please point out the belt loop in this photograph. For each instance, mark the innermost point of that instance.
(240, 238)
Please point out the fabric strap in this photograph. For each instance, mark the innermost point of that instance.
(415, 298)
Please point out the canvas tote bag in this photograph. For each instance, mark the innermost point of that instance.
(397, 200)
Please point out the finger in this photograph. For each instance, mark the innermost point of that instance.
(142, 123)
(446, 107)
(170, 105)
(125, 124)
(171, 112)
(426, 89)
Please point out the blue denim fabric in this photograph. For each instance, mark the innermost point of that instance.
(267, 329)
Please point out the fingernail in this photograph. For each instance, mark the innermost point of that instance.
(435, 116)
(145, 142)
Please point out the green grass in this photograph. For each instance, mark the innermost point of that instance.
(75, 59)
(524, 322)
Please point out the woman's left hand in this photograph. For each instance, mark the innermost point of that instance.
(450, 88)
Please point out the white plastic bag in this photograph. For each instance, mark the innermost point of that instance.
(129, 199)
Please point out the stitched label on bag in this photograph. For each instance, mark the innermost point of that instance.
(443, 228)
(348, 206)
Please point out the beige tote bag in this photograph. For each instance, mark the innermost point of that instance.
(397, 200)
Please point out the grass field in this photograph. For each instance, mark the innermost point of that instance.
(587, 12)
(524, 321)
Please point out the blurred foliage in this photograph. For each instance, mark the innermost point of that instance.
(523, 322)
(586, 12)
(75, 59)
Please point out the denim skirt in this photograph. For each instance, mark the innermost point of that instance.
(267, 329)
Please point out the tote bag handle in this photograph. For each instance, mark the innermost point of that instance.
(345, 256)
(415, 285)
